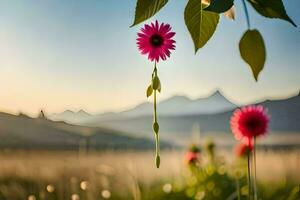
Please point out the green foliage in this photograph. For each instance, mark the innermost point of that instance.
(194, 148)
(149, 91)
(211, 181)
(209, 147)
(202, 16)
(200, 23)
(219, 6)
(146, 9)
(252, 50)
(159, 87)
(271, 9)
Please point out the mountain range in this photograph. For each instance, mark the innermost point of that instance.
(179, 115)
(174, 106)
(70, 116)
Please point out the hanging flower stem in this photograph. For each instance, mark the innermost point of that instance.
(156, 87)
(157, 154)
(155, 39)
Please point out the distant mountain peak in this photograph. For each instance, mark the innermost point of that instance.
(178, 98)
(71, 116)
(217, 93)
(81, 111)
(67, 112)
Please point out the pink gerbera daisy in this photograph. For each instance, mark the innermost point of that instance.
(156, 41)
(249, 122)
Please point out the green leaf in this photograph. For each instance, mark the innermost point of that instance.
(146, 9)
(201, 24)
(253, 51)
(271, 9)
(219, 6)
(149, 91)
(159, 87)
(155, 83)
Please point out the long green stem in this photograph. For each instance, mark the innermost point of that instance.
(238, 190)
(254, 170)
(155, 124)
(155, 116)
(154, 103)
(246, 13)
(249, 177)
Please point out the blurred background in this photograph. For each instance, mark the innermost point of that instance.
(75, 122)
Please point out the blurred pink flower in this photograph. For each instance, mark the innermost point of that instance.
(242, 149)
(191, 157)
(156, 41)
(249, 122)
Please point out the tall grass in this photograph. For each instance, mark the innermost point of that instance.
(62, 175)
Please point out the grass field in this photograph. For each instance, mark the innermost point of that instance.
(62, 175)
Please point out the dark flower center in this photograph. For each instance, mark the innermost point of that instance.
(156, 40)
(253, 124)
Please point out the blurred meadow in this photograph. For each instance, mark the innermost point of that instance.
(60, 175)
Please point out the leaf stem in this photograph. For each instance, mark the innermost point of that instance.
(246, 13)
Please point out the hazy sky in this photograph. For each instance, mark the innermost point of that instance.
(81, 54)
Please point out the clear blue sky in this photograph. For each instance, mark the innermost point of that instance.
(80, 54)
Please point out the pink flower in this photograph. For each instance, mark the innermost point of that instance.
(242, 149)
(249, 122)
(156, 41)
(191, 157)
